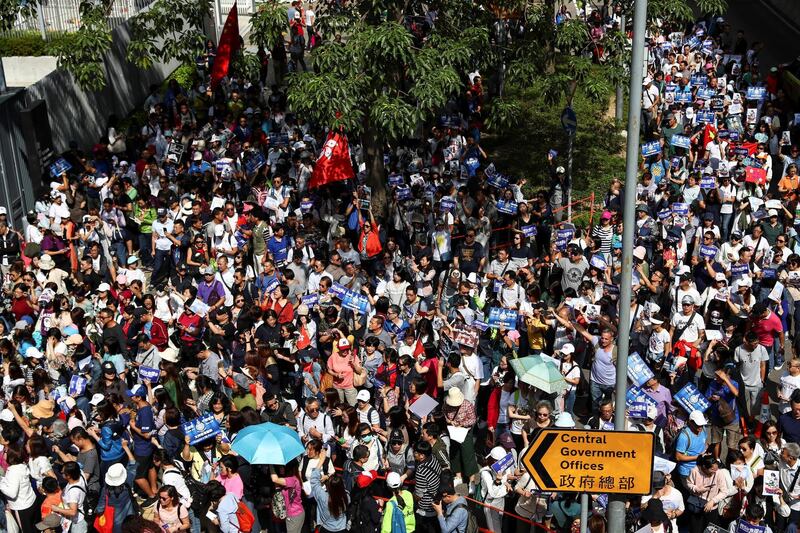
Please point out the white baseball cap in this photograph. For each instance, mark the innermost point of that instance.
(363, 396)
(567, 348)
(393, 480)
(96, 399)
(698, 418)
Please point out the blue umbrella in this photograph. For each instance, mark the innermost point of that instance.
(268, 444)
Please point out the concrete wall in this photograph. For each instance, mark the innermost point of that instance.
(25, 71)
(81, 116)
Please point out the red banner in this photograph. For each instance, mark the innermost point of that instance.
(228, 46)
(333, 163)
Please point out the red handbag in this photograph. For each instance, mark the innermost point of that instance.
(104, 523)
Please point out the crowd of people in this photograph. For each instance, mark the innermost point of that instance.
(180, 275)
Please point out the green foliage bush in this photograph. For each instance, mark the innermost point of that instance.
(31, 44)
(522, 150)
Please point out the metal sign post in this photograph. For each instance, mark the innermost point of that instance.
(616, 505)
(569, 121)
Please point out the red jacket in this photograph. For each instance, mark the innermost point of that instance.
(374, 246)
(159, 336)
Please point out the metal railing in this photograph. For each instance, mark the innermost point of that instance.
(59, 16)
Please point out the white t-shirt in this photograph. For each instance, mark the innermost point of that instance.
(788, 385)
(658, 339)
(473, 370)
(75, 493)
(692, 331)
(160, 230)
(570, 372)
(671, 501)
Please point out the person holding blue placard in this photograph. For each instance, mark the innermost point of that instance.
(722, 392)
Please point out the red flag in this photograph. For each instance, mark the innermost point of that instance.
(333, 163)
(752, 147)
(228, 45)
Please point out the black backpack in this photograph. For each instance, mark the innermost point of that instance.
(199, 492)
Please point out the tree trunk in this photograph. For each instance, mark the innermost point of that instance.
(372, 144)
(549, 43)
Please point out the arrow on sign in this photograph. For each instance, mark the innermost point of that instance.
(536, 459)
(574, 460)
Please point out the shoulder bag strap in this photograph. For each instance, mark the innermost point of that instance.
(679, 331)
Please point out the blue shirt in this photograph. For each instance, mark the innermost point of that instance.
(324, 517)
(689, 443)
(279, 249)
(145, 422)
(726, 395)
(455, 518)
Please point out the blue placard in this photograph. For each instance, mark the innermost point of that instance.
(201, 428)
(447, 204)
(637, 410)
(498, 181)
(278, 139)
(693, 42)
(638, 371)
(502, 318)
(220, 165)
(706, 116)
(708, 251)
(683, 97)
(738, 270)
(77, 385)
(503, 464)
(610, 288)
(598, 262)
(691, 400)
(60, 166)
(681, 141)
(743, 526)
(734, 135)
(507, 206)
(664, 214)
(739, 150)
(635, 394)
(651, 148)
(563, 236)
(253, 163)
(768, 273)
(338, 290)
(756, 92)
(395, 180)
(450, 121)
(698, 80)
(149, 374)
(705, 93)
(480, 324)
(708, 182)
(306, 206)
(680, 208)
(530, 230)
(272, 285)
(310, 299)
(355, 302)
(717, 103)
(404, 193)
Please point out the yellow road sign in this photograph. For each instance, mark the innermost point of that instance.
(578, 460)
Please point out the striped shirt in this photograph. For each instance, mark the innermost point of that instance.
(605, 234)
(427, 478)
